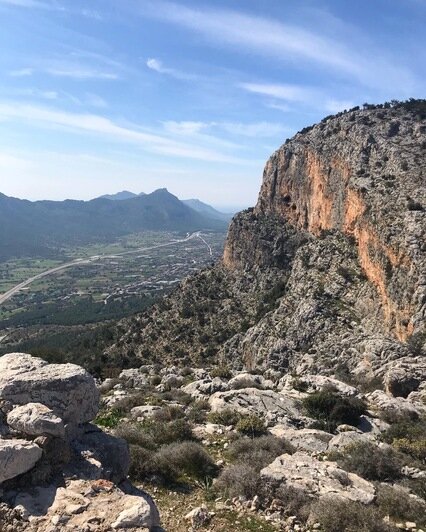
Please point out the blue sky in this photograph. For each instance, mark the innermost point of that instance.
(193, 95)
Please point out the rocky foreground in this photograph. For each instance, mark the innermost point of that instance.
(58, 470)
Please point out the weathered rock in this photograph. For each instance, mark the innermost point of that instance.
(87, 505)
(201, 388)
(273, 407)
(36, 419)
(198, 517)
(144, 411)
(404, 376)
(316, 383)
(317, 478)
(248, 380)
(65, 388)
(111, 452)
(133, 378)
(371, 425)
(393, 407)
(17, 457)
(346, 439)
(308, 440)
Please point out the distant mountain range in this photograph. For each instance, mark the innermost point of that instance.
(196, 204)
(37, 228)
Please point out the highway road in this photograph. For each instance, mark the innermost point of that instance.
(79, 262)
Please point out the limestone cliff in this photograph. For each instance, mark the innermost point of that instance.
(327, 272)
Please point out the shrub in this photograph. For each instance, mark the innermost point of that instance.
(397, 504)
(224, 417)
(140, 462)
(259, 452)
(236, 480)
(416, 448)
(240, 384)
(198, 411)
(294, 500)
(186, 458)
(135, 434)
(251, 425)
(155, 380)
(222, 372)
(125, 405)
(169, 413)
(178, 396)
(151, 434)
(371, 462)
(339, 515)
(109, 419)
(331, 410)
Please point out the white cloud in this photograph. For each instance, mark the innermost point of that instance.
(101, 126)
(157, 66)
(185, 127)
(257, 129)
(81, 73)
(284, 42)
(281, 91)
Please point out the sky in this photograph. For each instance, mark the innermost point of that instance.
(104, 95)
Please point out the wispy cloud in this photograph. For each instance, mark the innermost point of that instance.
(283, 91)
(238, 129)
(281, 41)
(102, 126)
(81, 73)
(21, 72)
(157, 66)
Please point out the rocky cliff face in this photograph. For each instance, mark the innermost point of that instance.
(328, 272)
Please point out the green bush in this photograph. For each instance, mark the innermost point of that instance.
(296, 501)
(151, 433)
(251, 425)
(186, 458)
(409, 437)
(197, 413)
(399, 506)
(259, 452)
(339, 515)
(236, 480)
(224, 417)
(371, 462)
(223, 372)
(169, 413)
(109, 419)
(331, 410)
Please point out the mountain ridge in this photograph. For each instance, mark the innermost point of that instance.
(326, 272)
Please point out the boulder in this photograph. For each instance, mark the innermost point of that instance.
(133, 378)
(346, 439)
(144, 411)
(68, 390)
(308, 440)
(200, 388)
(273, 407)
(199, 517)
(247, 380)
(35, 419)
(316, 383)
(393, 407)
(110, 452)
(317, 478)
(403, 376)
(17, 457)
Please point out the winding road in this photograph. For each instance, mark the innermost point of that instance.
(79, 262)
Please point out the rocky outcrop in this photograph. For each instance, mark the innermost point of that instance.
(57, 470)
(317, 478)
(326, 274)
(68, 390)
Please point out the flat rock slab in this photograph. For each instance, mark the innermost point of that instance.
(272, 406)
(68, 390)
(17, 457)
(87, 505)
(317, 478)
(35, 419)
(309, 440)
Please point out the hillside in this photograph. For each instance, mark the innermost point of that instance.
(326, 273)
(207, 210)
(42, 227)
